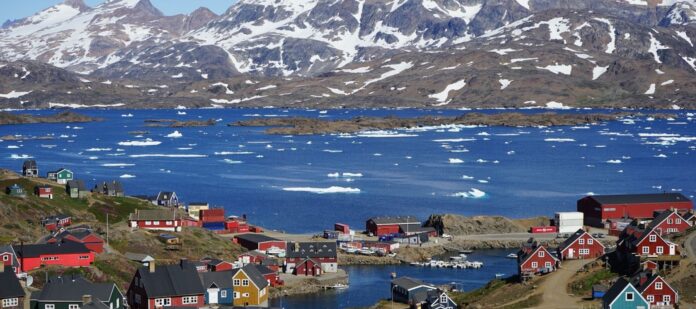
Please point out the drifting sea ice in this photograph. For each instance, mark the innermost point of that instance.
(329, 190)
(22, 156)
(559, 140)
(473, 193)
(142, 143)
(614, 161)
(127, 176)
(455, 161)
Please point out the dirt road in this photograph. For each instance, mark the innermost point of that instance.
(553, 288)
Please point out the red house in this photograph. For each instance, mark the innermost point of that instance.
(599, 208)
(380, 226)
(656, 290)
(156, 219)
(83, 236)
(53, 223)
(217, 265)
(259, 242)
(271, 275)
(323, 254)
(308, 267)
(581, 245)
(157, 286)
(44, 191)
(650, 243)
(668, 222)
(535, 259)
(649, 265)
(69, 254)
(8, 258)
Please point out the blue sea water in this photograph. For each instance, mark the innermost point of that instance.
(522, 171)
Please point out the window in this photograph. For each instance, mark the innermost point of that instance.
(245, 282)
(163, 302)
(666, 298)
(646, 249)
(542, 253)
(5, 257)
(73, 306)
(236, 295)
(443, 298)
(590, 241)
(659, 250)
(223, 293)
(236, 282)
(535, 264)
(629, 296)
(148, 222)
(653, 238)
(155, 222)
(187, 300)
(245, 295)
(658, 285)
(581, 241)
(650, 298)
(84, 257)
(10, 302)
(669, 221)
(584, 251)
(678, 221)
(168, 223)
(547, 264)
(51, 306)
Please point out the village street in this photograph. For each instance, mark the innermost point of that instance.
(553, 288)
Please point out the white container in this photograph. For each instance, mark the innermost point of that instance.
(569, 222)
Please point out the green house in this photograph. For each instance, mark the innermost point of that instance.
(16, 190)
(61, 176)
(623, 295)
(74, 292)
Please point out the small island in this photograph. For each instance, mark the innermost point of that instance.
(7, 118)
(309, 126)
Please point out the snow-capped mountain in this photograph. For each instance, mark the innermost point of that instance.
(377, 52)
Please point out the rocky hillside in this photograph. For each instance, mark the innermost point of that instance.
(461, 225)
(356, 53)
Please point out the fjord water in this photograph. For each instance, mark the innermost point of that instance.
(284, 183)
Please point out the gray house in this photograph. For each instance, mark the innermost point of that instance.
(69, 292)
(410, 291)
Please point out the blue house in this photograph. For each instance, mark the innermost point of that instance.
(623, 295)
(218, 287)
(410, 291)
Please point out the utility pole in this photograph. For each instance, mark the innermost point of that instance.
(107, 229)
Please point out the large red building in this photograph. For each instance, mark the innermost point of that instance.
(535, 259)
(260, 242)
(668, 222)
(380, 226)
(649, 243)
(581, 245)
(599, 208)
(158, 286)
(84, 236)
(156, 219)
(322, 254)
(69, 254)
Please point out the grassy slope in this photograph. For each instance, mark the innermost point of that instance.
(20, 221)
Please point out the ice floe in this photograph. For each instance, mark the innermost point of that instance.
(383, 133)
(455, 161)
(559, 140)
(329, 190)
(473, 193)
(160, 155)
(230, 161)
(142, 143)
(20, 156)
(226, 153)
(614, 161)
(97, 149)
(175, 134)
(117, 164)
(466, 177)
(127, 176)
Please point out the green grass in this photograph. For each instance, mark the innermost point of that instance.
(468, 297)
(530, 302)
(118, 208)
(584, 284)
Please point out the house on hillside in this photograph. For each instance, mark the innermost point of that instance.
(690, 217)
(250, 287)
(218, 287)
(68, 254)
(56, 222)
(260, 242)
(156, 219)
(109, 188)
(61, 176)
(214, 265)
(302, 258)
(76, 188)
(655, 289)
(44, 191)
(83, 236)
(271, 275)
(649, 243)
(30, 168)
(8, 257)
(68, 292)
(438, 299)
(157, 286)
(11, 291)
(167, 199)
(410, 291)
(15, 190)
(669, 222)
(622, 294)
(581, 245)
(597, 209)
(380, 226)
(141, 258)
(533, 259)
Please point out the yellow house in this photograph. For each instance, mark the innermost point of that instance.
(250, 287)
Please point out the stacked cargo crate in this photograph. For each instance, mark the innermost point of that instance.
(213, 220)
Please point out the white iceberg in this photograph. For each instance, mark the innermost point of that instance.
(614, 161)
(175, 134)
(329, 190)
(142, 143)
(473, 193)
(127, 176)
(559, 140)
(21, 156)
(352, 174)
(230, 161)
(333, 175)
(455, 161)
(117, 164)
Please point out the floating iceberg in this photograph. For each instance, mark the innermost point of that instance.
(117, 164)
(329, 190)
(22, 156)
(559, 140)
(473, 193)
(175, 134)
(455, 161)
(230, 161)
(127, 176)
(614, 161)
(146, 142)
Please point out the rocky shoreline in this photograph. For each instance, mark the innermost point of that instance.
(309, 126)
(7, 118)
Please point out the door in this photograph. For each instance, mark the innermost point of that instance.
(571, 253)
(213, 296)
(672, 250)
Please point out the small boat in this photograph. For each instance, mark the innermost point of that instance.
(468, 251)
(339, 286)
(512, 256)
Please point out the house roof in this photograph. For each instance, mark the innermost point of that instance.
(154, 215)
(256, 238)
(311, 249)
(9, 284)
(72, 288)
(661, 217)
(29, 164)
(688, 216)
(77, 183)
(573, 238)
(254, 275)
(37, 250)
(526, 255)
(94, 305)
(409, 283)
(415, 228)
(639, 198)
(171, 280)
(77, 233)
(395, 220)
(615, 290)
(165, 195)
(263, 269)
(51, 219)
(10, 249)
(140, 257)
(221, 279)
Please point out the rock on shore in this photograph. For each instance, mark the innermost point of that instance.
(461, 225)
